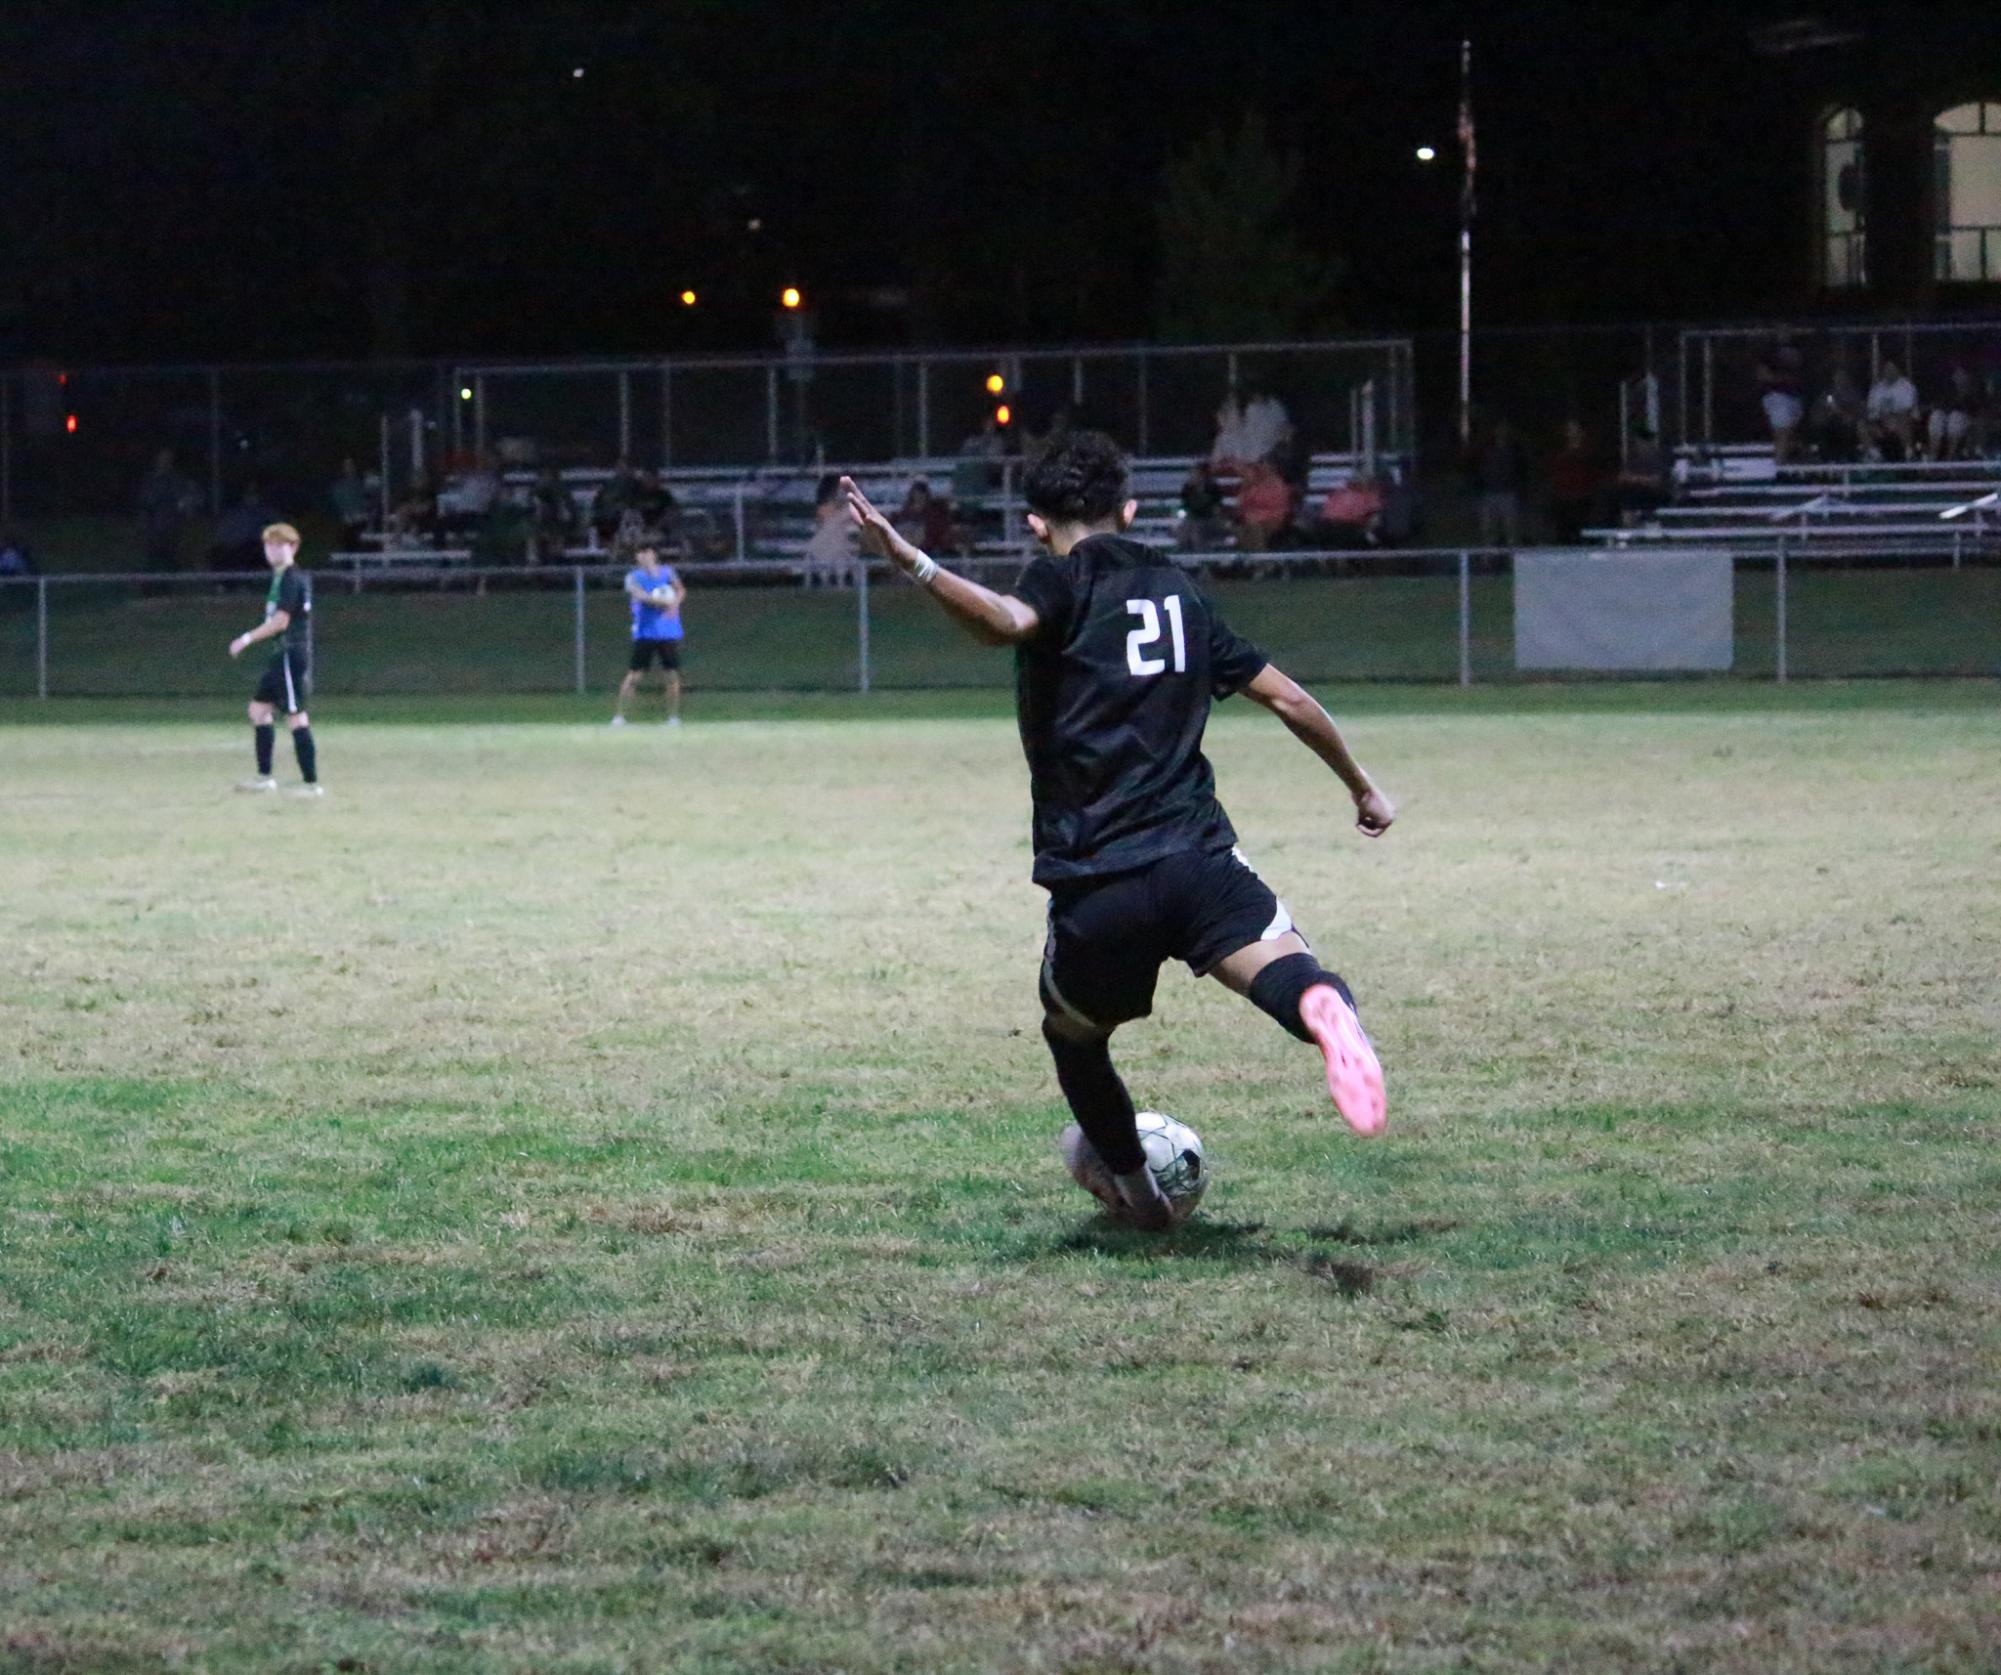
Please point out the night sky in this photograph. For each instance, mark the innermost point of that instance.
(187, 181)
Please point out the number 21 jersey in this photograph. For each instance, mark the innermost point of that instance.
(1112, 693)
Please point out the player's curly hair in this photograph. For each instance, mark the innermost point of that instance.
(1078, 479)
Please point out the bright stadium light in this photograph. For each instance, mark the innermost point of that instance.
(1003, 415)
(69, 424)
(577, 74)
(689, 299)
(790, 296)
(465, 392)
(995, 383)
(1427, 154)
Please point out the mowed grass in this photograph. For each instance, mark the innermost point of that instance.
(578, 1201)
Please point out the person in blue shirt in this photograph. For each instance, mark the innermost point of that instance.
(656, 594)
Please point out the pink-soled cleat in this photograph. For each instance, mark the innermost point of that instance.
(1354, 1077)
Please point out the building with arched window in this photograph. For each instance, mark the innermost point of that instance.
(1900, 113)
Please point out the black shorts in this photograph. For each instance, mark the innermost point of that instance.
(287, 682)
(644, 652)
(1109, 936)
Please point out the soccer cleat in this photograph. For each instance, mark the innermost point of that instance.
(618, 721)
(1354, 1077)
(263, 782)
(1145, 1205)
(314, 790)
(1134, 1200)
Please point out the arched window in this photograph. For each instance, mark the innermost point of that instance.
(1966, 143)
(1841, 234)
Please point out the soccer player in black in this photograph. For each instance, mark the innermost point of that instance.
(1117, 659)
(288, 677)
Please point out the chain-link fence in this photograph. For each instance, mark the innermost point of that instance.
(1434, 616)
(1721, 374)
(1342, 396)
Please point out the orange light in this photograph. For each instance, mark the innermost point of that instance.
(995, 383)
(790, 296)
(689, 299)
(1003, 414)
(69, 424)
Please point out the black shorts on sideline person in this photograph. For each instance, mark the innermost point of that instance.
(644, 652)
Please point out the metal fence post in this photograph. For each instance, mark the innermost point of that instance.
(737, 504)
(42, 637)
(861, 626)
(577, 573)
(624, 414)
(923, 413)
(1465, 620)
(1779, 645)
(666, 414)
(771, 413)
(6, 453)
(1139, 373)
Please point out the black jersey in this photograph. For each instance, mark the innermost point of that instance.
(292, 594)
(1112, 692)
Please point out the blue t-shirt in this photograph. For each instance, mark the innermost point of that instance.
(653, 622)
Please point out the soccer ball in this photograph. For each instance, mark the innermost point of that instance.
(1174, 1154)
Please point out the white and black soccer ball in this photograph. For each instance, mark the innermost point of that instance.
(1173, 1152)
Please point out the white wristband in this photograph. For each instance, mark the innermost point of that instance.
(924, 569)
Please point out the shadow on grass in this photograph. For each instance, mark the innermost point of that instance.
(1243, 1245)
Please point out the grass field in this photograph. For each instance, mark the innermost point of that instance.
(577, 1201)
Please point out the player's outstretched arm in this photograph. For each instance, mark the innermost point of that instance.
(1315, 729)
(999, 619)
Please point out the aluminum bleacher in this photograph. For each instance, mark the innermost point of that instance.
(1739, 497)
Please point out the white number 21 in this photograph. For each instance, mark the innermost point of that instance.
(1148, 632)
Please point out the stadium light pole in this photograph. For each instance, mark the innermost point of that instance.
(1471, 161)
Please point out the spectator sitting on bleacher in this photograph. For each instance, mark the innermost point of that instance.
(351, 502)
(1892, 411)
(1352, 515)
(415, 517)
(1950, 426)
(1779, 386)
(552, 510)
(1264, 507)
(475, 494)
(1267, 427)
(976, 473)
(618, 496)
(1839, 430)
(654, 501)
(1642, 488)
(830, 551)
(1204, 524)
(924, 520)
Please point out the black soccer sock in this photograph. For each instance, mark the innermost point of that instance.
(302, 747)
(266, 733)
(1277, 989)
(1098, 1100)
